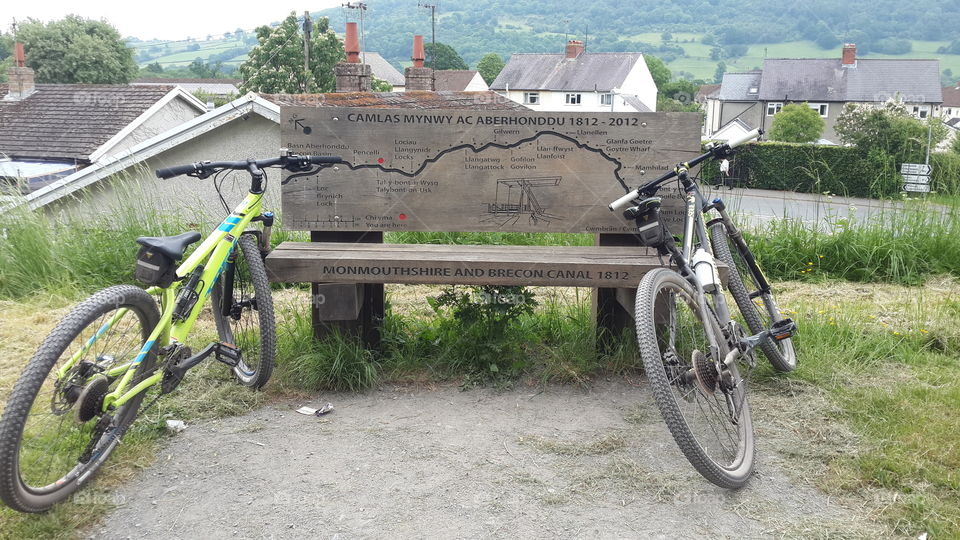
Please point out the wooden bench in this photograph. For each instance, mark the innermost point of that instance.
(403, 175)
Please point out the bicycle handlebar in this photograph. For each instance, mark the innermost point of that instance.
(291, 162)
(718, 151)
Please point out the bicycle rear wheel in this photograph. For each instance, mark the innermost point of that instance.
(759, 310)
(243, 311)
(706, 410)
(53, 434)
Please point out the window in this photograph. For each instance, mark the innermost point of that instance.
(606, 99)
(754, 90)
(822, 108)
(921, 111)
(531, 98)
(773, 108)
(573, 99)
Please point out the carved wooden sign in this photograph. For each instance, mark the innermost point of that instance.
(474, 170)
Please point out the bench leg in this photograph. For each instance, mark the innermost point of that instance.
(613, 308)
(350, 309)
(610, 309)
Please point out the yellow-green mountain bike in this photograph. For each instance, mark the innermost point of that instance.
(84, 387)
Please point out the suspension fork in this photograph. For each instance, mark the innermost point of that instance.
(737, 236)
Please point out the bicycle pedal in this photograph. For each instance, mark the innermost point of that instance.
(783, 329)
(228, 354)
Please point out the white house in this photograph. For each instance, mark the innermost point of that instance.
(578, 81)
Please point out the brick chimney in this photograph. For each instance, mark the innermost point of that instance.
(352, 76)
(574, 48)
(19, 77)
(418, 77)
(849, 58)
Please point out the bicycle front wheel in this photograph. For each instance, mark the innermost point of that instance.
(243, 310)
(705, 408)
(53, 433)
(759, 310)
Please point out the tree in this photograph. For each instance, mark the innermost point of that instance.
(666, 37)
(658, 70)
(955, 145)
(379, 85)
(796, 123)
(77, 50)
(490, 66)
(718, 74)
(205, 70)
(275, 65)
(154, 67)
(888, 132)
(446, 57)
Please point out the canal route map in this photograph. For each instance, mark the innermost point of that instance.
(478, 170)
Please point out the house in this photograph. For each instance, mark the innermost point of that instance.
(578, 81)
(49, 131)
(826, 85)
(458, 80)
(383, 70)
(951, 102)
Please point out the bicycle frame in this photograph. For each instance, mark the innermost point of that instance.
(214, 251)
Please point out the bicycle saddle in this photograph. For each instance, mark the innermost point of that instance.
(171, 246)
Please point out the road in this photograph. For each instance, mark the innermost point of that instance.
(762, 205)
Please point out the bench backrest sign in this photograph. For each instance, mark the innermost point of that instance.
(477, 171)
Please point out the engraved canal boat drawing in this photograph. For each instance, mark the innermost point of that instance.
(515, 198)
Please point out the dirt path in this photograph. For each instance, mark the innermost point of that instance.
(438, 462)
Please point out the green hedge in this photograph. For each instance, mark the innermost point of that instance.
(839, 170)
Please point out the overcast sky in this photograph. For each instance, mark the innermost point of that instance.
(165, 19)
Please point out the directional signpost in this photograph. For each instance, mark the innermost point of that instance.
(916, 177)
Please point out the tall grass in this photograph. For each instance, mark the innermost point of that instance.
(73, 253)
(905, 245)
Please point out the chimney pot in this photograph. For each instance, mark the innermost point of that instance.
(574, 48)
(351, 44)
(849, 58)
(20, 82)
(418, 53)
(20, 57)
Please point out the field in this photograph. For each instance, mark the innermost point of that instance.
(696, 60)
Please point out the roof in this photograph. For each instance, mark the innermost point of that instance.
(871, 80)
(382, 69)
(707, 91)
(184, 133)
(220, 87)
(453, 80)
(635, 102)
(587, 72)
(951, 96)
(953, 123)
(732, 129)
(70, 122)
(738, 86)
(400, 100)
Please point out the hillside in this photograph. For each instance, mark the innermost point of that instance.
(690, 35)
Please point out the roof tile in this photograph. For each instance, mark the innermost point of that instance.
(70, 121)
(588, 72)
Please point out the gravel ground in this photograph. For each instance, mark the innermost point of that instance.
(438, 462)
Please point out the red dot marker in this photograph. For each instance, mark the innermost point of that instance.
(402, 217)
(379, 160)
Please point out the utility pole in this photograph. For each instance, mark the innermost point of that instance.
(433, 32)
(361, 7)
(307, 30)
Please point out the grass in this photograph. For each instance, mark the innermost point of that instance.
(904, 245)
(887, 358)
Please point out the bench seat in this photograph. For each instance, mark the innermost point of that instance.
(558, 266)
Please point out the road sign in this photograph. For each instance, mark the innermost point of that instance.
(915, 168)
(917, 188)
(916, 179)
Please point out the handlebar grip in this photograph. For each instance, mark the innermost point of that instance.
(319, 160)
(745, 138)
(623, 201)
(177, 171)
